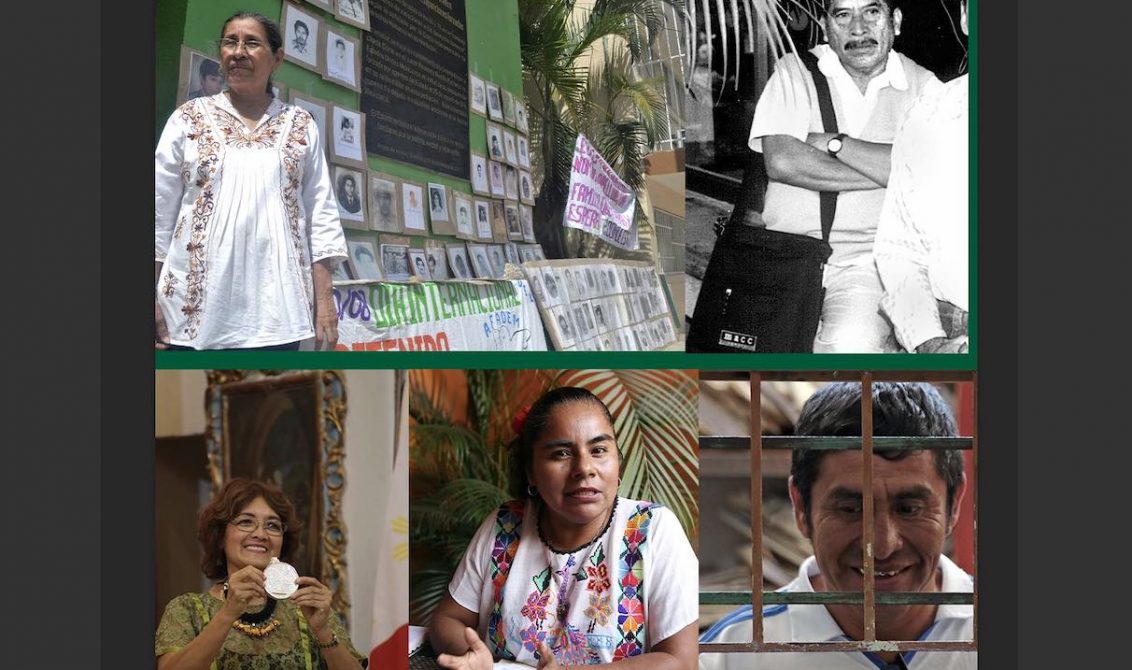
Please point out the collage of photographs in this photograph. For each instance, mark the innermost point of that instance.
(767, 201)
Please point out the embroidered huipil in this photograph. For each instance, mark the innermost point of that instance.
(240, 215)
(614, 599)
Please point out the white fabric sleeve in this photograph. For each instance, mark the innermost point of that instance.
(327, 240)
(467, 582)
(169, 189)
(784, 107)
(672, 580)
(902, 262)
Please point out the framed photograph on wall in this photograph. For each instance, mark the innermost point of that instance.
(512, 250)
(438, 202)
(320, 110)
(348, 131)
(200, 76)
(342, 62)
(418, 265)
(412, 204)
(437, 259)
(497, 257)
(478, 254)
(521, 116)
(495, 170)
(301, 32)
(348, 185)
(509, 148)
(477, 95)
(384, 200)
(353, 12)
(458, 260)
(527, 220)
(526, 189)
(342, 272)
(395, 258)
(363, 259)
(494, 102)
(524, 151)
(483, 221)
(514, 225)
(479, 174)
(508, 107)
(279, 90)
(511, 182)
(495, 146)
(465, 227)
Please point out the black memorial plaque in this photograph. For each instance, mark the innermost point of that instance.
(415, 84)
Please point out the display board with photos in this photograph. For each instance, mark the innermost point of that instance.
(592, 304)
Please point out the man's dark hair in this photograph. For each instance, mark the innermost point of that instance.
(892, 5)
(900, 409)
(208, 68)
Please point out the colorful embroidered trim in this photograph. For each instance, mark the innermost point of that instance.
(508, 526)
(631, 628)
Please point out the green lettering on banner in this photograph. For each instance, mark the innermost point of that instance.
(407, 304)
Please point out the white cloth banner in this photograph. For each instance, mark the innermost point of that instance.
(599, 202)
(498, 315)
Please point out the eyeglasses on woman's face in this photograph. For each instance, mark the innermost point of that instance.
(232, 44)
(249, 524)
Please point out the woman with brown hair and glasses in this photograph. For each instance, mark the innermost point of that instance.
(235, 624)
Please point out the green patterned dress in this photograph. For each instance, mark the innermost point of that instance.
(292, 645)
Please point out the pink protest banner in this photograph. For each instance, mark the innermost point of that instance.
(599, 202)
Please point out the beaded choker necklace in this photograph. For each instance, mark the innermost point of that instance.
(600, 534)
(256, 624)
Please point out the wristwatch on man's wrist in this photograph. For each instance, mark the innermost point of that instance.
(835, 143)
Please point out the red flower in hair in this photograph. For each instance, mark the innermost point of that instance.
(520, 419)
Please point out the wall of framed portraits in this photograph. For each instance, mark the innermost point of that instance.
(183, 473)
(426, 135)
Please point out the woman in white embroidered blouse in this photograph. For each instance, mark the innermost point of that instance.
(560, 578)
(247, 233)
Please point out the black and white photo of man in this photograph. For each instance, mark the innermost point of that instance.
(437, 202)
(300, 41)
(363, 260)
(349, 197)
(383, 204)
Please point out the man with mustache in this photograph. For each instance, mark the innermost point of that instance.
(916, 501)
(871, 87)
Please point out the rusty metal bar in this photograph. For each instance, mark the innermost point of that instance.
(780, 442)
(973, 488)
(838, 598)
(757, 509)
(869, 531)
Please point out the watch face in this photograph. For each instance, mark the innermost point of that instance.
(834, 145)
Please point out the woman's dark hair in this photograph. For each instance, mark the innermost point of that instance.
(270, 28)
(900, 409)
(237, 494)
(533, 426)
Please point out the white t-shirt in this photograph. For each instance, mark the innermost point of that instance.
(240, 216)
(922, 238)
(813, 623)
(603, 614)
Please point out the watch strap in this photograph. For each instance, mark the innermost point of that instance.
(826, 199)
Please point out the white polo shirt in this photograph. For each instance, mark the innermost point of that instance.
(813, 623)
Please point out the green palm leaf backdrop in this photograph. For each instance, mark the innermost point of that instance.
(460, 460)
(580, 76)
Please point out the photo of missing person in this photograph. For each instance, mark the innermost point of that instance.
(480, 266)
(437, 259)
(552, 283)
(395, 261)
(483, 220)
(412, 201)
(495, 143)
(342, 64)
(526, 190)
(496, 256)
(363, 261)
(479, 175)
(437, 202)
(349, 136)
(418, 264)
(496, 175)
(521, 118)
(524, 152)
(347, 188)
(458, 261)
(526, 219)
(509, 151)
(508, 107)
(477, 94)
(204, 77)
(383, 204)
(514, 225)
(511, 182)
(353, 12)
(300, 36)
(494, 103)
(319, 111)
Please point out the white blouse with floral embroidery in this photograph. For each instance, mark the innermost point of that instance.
(240, 216)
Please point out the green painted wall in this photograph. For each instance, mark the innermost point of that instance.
(493, 53)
